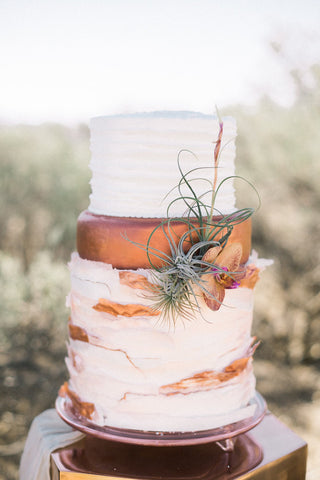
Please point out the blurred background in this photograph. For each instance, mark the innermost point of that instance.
(63, 62)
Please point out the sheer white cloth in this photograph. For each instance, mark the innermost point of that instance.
(47, 433)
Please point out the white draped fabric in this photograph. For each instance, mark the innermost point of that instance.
(47, 433)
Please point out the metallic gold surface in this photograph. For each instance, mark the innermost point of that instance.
(101, 238)
(125, 310)
(204, 461)
(284, 458)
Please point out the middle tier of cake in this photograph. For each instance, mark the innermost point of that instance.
(114, 239)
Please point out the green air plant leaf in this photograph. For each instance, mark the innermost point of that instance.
(182, 277)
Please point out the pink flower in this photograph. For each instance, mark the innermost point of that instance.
(224, 273)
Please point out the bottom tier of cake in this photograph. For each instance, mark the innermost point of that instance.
(130, 369)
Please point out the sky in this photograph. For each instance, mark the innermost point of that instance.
(69, 60)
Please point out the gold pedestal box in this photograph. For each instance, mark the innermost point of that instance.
(270, 451)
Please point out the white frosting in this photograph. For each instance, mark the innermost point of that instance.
(134, 162)
(124, 365)
(128, 359)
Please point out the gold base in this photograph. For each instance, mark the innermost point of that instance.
(270, 452)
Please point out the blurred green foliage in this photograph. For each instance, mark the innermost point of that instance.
(278, 149)
(43, 186)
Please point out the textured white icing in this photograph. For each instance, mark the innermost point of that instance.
(128, 359)
(127, 362)
(134, 162)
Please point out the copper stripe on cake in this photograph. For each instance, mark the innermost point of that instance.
(127, 310)
(78, 333)
(85, 409)
(101, 238)
(135, 280)
(251, 277)
(208, 379)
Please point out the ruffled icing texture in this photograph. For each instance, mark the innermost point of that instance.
(134, 162)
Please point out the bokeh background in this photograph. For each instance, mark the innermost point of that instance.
(63, 62)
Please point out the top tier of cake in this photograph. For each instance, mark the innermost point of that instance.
(134, 163)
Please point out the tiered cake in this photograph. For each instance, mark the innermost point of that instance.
(131, 364)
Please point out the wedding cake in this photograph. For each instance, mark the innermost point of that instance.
(162, 283)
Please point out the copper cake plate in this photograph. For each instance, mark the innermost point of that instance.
(113, 460)
(67, 413)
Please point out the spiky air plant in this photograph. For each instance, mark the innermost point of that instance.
(191, 270)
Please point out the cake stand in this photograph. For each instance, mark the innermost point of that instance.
(224, 436)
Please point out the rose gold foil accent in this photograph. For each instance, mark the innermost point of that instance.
(135, 280)
(101, 238)
(208, 379)
(129, 310)
(251, 277)
(78, 333)
(85, 409)
(63, 390)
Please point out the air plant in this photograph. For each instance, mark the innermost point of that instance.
(191, 270)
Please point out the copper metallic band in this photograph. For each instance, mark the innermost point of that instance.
(105, 239)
